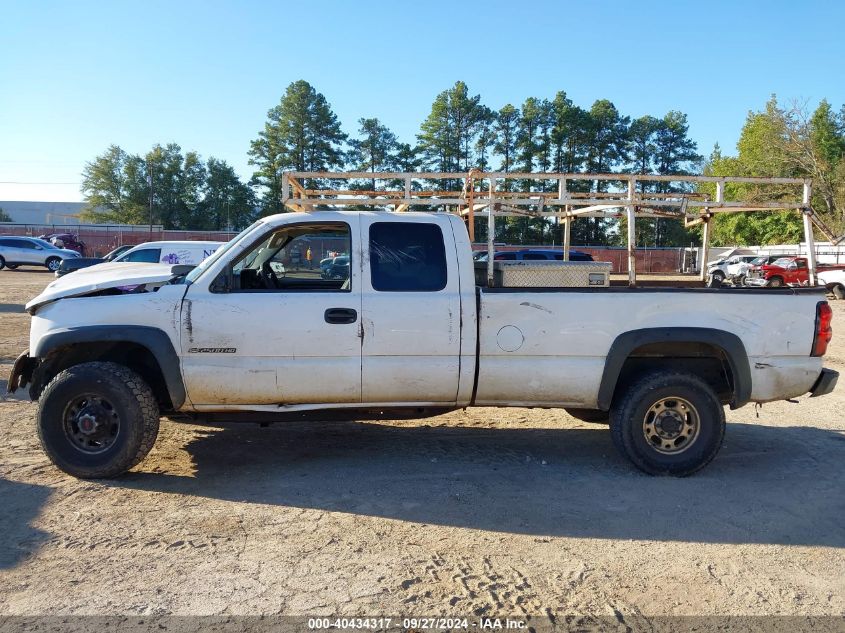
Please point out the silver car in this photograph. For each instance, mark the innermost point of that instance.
(30, 251)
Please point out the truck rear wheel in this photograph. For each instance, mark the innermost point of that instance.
(668, 423)
(589, 415)
(97, 420)
(839, 291)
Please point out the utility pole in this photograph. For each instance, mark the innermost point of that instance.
(150, 181)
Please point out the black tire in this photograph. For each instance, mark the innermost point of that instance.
(718, 275)
(839, 291)
(590, 415)
(12, 266)
(689, 450)
(122, 416)
(775, 282)
(2, 263)
(53, 263)
(739, 281)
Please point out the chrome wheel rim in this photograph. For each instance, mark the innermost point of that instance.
(54, 264)
(671, 425)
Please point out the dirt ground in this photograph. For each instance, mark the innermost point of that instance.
(498, 512)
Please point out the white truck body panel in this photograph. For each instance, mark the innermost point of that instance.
(831, 277)
(567, 336)
(158, 309)
(273, 351)
(423, 326)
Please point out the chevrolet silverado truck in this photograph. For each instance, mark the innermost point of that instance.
(408, 332)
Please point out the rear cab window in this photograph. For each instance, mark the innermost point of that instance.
(407, 257)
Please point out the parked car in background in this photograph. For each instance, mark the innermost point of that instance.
(722, 269)
(741, 271)
(65, 240)
(70, 265)
(183, 252)
(781, 272)
(31, 251)
(337, 268)
(537, 254)
(834, 281)
(785, 271)
(736, 266)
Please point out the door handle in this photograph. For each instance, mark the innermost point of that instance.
(337, 316)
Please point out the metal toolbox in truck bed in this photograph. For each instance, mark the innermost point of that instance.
(545, 274)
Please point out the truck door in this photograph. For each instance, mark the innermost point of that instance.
(411, 311)
(278, 331)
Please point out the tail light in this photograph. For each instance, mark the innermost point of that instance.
(824, 332)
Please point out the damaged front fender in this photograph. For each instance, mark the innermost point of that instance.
(108, 278)
(22, 372)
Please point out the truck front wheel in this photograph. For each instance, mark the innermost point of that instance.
(668, 423)
(97, 420)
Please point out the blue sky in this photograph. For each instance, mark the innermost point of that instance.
(78, 76)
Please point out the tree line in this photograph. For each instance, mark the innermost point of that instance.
(303, 133)
(166, 186)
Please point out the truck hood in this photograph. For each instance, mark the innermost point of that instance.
(106, 276)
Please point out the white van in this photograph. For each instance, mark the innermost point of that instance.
(187, 252)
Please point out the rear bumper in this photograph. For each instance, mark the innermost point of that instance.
(825, 383)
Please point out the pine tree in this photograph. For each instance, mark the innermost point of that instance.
(436, 137)
(448, 136)
(568, 134)
(606, 138)
(675, 151)
(302, 133)
(506, 127)
(486, 139)
(374, 149)
(526, 135)
(642, 146)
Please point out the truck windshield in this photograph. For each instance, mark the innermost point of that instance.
(220, 252)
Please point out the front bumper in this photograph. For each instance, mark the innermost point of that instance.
(22, 372)
(824, 383)
(756, 281)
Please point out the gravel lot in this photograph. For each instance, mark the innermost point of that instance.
(499, 512)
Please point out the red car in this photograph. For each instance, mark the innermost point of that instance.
(786, 271)
(68, 240)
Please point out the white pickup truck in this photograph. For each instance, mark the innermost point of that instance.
(405, 331)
